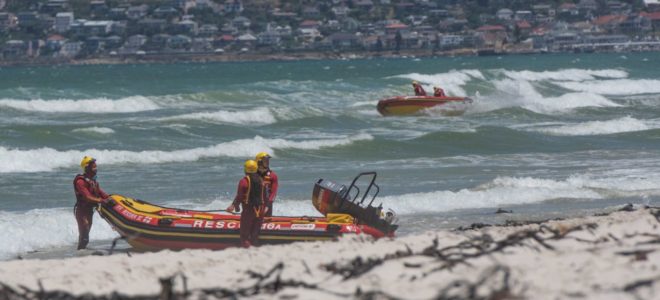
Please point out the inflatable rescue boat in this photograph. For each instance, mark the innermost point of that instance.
(410, 105)
(147, 226)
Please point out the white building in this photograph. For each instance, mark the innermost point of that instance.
(504, 14)
(63, 21)
(70, 49)
(98, 27)
(451, 40)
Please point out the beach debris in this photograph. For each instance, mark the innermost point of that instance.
(473, 226)
(627, 207)
(450, 255)
(503, 211)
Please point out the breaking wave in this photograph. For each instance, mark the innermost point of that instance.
(625, 124)
(43, 228)
(259, 116)
(565, 74)
(615, 87)
(92, 106)
(15, 160)
(452, 82)
(522, 190)
(523, 94)
(94, 130)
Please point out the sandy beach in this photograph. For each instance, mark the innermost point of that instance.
(611, 256)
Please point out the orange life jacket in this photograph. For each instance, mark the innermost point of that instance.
(255, 193)
(268, 184)
(92, 186)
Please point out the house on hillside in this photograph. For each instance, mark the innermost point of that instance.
(241, 22)
(247, 41)
(609, 23)
(63, 21)
(491, 36)
(504, 14)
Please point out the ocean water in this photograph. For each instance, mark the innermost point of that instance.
(546, 136)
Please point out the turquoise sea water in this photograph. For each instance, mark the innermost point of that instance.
(547, 136)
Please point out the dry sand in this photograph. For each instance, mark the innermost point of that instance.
(605, 257)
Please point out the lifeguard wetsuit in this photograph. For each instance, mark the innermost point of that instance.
(251, 197)
(85, 189)
(270, 184)
(419, 90)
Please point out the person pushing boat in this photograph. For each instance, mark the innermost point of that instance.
(250, 196)
(88, 195)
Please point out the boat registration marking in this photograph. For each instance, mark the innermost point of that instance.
(134, 217)
(229, 225)
(303, 226)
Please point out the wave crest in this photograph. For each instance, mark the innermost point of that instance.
(259, 116)
(21, 161)
(92, 106)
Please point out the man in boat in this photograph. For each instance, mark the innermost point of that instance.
(250, 195)
(419, 90)
(270, 180)
(438, 92)
(88, 195)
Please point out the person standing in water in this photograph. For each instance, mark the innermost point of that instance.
(270, 180)
(250, 196)
(88, 195)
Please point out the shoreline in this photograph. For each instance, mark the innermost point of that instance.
(166, 58)
(226, 57)
(608, 255)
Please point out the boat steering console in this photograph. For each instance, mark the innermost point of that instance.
(330, 197)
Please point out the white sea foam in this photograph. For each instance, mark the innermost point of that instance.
(565, 74)
(92, 106)
(513, 191)
(364, 103)
(258, 116)
(625, 124)
(615, 87)
(44, 228)
(16, 160)
(523, 94)
(95, 130)
(451, 81)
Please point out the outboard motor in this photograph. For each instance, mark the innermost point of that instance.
(327, 196)
(330, 197)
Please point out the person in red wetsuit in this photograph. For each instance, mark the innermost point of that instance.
(250, 195)
(88, 195)
(419, 90)
(438, 92)
(270, 180)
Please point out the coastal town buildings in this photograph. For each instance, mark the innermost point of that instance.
(59, 29)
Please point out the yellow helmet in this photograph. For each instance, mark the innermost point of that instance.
(86, 161)
(261, 155)
(414, 82)
(250, 166)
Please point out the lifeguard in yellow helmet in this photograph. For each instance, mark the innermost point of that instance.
(88, 195)
(251, 197)
(270, 180)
